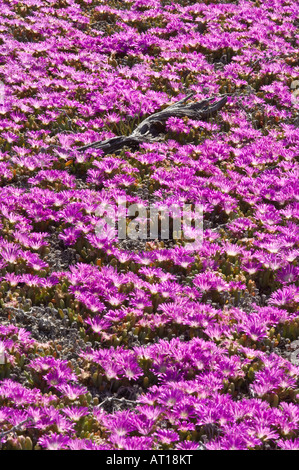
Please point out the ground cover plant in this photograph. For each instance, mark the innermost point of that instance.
(109, 343)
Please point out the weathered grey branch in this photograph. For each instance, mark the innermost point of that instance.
(15, 428)
(152, 129)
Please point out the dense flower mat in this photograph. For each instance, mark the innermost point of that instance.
(109, 344)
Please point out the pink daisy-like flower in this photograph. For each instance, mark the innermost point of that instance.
(54, 441)
(288, 444)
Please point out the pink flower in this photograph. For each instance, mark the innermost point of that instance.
(54, 441)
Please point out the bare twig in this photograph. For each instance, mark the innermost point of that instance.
(219, 226)
(120, 400)
(272, 167)
(15, 428)
(152, 129)
(201, 446)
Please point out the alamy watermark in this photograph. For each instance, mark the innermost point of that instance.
(2, 93)
(2, 354)
(140, 222)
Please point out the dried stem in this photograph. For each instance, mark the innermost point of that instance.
(152, 129)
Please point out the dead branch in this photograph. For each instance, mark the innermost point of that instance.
(15, 428)
(152, 129)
